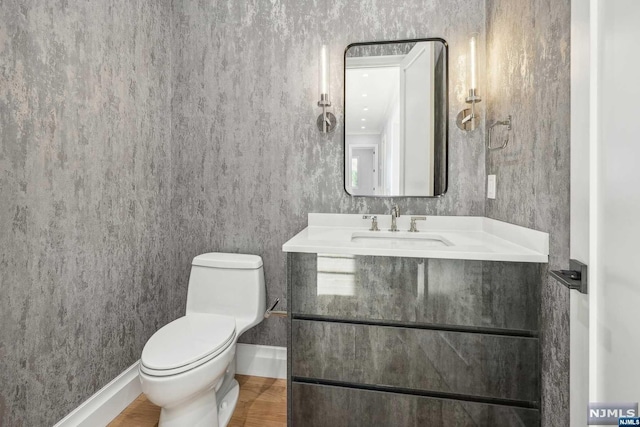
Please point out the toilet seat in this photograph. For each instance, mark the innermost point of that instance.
(187, 343)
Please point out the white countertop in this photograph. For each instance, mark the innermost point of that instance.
(444, 237)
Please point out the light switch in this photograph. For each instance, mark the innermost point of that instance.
(491, 187)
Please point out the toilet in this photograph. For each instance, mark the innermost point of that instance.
(188, 366)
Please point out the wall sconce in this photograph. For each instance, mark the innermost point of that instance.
(326, 121)
(468, 119)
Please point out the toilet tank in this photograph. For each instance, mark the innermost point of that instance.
(228, 284)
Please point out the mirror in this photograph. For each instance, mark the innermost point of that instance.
(396, 118)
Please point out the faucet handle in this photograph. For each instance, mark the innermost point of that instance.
(374, 222)
(413, 227)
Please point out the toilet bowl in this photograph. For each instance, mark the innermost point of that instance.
(188, 366)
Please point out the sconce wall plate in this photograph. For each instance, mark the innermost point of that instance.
(472, 120)
(329, 119)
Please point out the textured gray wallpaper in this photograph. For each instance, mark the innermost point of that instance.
(84, 191)
(248, 160)
(528, 63)
(127, 150)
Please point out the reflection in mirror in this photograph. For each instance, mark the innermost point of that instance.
(396, 118)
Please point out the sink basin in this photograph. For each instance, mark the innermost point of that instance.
(400, 238)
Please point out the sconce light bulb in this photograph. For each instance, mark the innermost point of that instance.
(324, 71)
(473, 62)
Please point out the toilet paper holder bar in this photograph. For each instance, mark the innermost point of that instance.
(277, 313)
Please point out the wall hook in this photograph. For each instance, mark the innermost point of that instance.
(507, 123)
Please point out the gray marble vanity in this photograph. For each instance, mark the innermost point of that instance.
(410, 340)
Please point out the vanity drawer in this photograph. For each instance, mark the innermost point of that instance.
(330, 406)
(481, 366)
(473, 294)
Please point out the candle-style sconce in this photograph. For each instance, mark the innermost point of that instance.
(469, 119)
(326, 121)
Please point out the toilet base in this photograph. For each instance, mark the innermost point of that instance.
(202, 410)
(228, 404)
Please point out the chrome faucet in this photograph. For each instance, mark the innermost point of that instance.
(395, 213)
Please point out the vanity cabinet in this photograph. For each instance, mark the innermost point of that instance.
(394, 341)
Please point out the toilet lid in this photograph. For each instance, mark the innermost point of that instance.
(186, 341)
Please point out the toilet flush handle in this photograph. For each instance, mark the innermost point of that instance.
(271, 311)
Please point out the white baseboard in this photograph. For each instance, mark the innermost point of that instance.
(261, 361)
(101, 408)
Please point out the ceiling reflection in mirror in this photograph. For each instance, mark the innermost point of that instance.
(396, 104)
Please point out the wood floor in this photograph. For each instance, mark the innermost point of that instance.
(262, 403)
